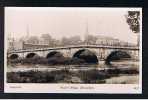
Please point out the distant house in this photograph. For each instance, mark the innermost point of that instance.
(104, 40)
(33, 46)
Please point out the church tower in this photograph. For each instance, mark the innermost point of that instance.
(86, 33)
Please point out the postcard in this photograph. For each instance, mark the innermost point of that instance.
(73, 50)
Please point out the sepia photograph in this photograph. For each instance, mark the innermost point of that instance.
(73, 49)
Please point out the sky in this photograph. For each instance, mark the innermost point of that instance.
(67, 22)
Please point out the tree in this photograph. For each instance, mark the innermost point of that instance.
(90, 39)
(64, 41)
(47, 39)
(56, 42)
(133, 18)
(33, 40)
(75, 40)
(11, 43)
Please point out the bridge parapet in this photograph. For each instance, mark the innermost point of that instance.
(72, 47)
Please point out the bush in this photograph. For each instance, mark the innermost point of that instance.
(92, 76)
(37, 76)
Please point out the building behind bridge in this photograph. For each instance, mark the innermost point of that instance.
(101, 40)
(34, 46)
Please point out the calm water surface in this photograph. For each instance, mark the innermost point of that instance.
(100, 66)
(121, 79)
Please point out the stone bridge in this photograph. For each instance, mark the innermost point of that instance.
(101, 52)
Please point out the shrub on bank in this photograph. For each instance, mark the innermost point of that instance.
(37, 76)
(122, 71)
(64, 76)
(92, 76)
(29, 77)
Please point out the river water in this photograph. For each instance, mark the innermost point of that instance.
(100, 66)
(124, 78)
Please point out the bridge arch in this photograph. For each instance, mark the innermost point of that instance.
(31, 55)
(117, 55)
(54, 54)
(13, 56)
(87, 55)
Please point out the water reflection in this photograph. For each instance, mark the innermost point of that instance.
(115, 73)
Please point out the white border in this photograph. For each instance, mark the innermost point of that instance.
(75, 88)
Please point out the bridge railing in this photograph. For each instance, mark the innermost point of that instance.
(77, 46)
